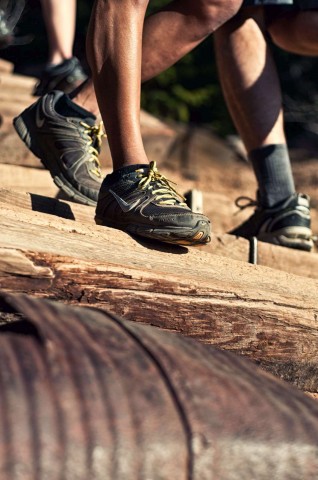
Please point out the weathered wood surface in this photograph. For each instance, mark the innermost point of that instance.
(267, 315)
(291, 261)
(52, 206)
(273, 256)
(5, 66)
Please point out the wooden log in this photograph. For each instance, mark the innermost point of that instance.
(5, 66)
(14, 152)
(24, 179)
(288, 260)
(274, 256)
(48, 205)
(17, 83)
(89, 395)
(267, 315)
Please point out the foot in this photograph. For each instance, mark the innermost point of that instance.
(68, 144)
(141, 201)
(286, 224)
(64, 76)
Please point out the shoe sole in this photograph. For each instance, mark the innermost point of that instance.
(198, 235)
(299, 238)
(20, 125)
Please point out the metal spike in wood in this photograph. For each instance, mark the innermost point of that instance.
(85, 395)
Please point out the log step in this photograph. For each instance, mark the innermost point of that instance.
(291, 261)
(264, 314)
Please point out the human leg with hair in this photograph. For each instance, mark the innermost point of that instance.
(59, 18)
(252, 91)
(63, 71)
(183, 24)
(296, 31)
(136, 197)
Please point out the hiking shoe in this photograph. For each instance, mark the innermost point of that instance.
(286, 224)
(68, 145)
(64, 76)
(141, 201)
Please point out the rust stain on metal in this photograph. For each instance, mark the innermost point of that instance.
(86, 395)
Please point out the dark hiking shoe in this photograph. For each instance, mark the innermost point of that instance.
(68, 146)
(286, 224)
(65, 77)
(141, 201)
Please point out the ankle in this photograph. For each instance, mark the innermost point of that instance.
(58, 58)
(88, 102)
(68, 108)
(129, 162)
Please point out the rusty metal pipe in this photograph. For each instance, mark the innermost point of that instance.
(85, 395)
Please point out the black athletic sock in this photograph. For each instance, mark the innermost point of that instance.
(116, 175)
(54, 68)
(273, 173)
(64, 106)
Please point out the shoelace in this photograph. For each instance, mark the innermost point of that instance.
(160, 186)
(95, 134)
(249, 202)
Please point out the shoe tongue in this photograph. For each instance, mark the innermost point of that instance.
(64, 106)
(118, 174)
(132, 168)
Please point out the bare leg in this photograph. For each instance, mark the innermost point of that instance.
(183, 24)
(114, 51)
(296, 32)
(252, 91)
(175, 30)
(59, 17)
(85, 97)
(250, 82)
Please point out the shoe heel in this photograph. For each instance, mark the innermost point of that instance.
(20, 125)
(299, 238)
(299, 243)
(22, 130)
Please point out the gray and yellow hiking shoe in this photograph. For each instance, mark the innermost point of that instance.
(286, 224)
(67, 143)
(141, 201)
(64, 76)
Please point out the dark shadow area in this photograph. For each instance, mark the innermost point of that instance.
(21, 327)
(159, 246)
(15, 322)
(63, 196)
(51, 206)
